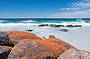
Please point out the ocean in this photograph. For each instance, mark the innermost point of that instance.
(41, 20)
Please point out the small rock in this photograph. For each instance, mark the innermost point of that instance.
(64, 30)
(54, 25)
(78, 25)
(43, 25)
(70, 26)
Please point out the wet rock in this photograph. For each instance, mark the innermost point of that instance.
(64, 30)
(4, 52)
(78, 25)
(36, 49)
(54, 25)
(70, 26)
(43, 25)
(74, 53)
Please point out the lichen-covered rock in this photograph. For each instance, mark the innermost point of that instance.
(13, 37)
(74, 54)
(61, 42)
(36, 49)
(4, 52)
(19, 35)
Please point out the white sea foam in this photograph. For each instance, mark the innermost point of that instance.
(28, 21)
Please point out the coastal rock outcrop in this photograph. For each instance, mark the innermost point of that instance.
(36, 49)
(13, 37)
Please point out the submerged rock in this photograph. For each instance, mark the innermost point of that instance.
(4, 52)
(36, 49)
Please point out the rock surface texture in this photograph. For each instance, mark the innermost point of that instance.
(36, 49)
(25, 45)
(75, 54)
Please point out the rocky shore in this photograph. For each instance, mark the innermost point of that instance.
(25, 45)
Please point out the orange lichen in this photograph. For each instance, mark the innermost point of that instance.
(35, 49)
(56, 40)
(19, 35)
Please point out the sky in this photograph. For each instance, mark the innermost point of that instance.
(45, 8)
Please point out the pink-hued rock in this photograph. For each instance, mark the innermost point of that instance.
(74, 54)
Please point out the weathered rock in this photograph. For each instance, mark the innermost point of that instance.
(4, 40)
(61, 42)
(74, 53)
(4, 52)
(36, 49)
(15, 36)
(64, 30)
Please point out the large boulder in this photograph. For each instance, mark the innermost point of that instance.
(13, 37)
(36, 49)
(19, 35)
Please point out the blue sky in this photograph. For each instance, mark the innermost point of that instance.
(45, 8)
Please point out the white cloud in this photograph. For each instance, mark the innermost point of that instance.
(70, 8)
(75, 14)
(85, 3)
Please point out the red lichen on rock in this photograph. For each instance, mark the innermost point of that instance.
(36, 49)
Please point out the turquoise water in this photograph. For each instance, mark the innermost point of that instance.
(40, 20)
